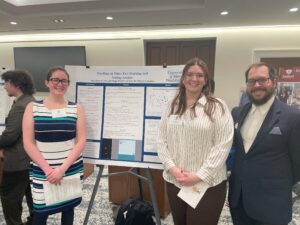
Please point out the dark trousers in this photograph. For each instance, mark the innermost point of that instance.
(15, 185)
(207, 212)
(67, 218)
(240, 216)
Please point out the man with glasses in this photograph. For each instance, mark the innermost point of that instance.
(267, 159)
(15, 178)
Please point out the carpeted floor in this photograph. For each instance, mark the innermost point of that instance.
(102, 209)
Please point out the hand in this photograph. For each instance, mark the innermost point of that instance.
(176, 172)
(1, 153)
(55, 176)
(188, 179)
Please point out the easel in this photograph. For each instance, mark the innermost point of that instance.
(134, 172)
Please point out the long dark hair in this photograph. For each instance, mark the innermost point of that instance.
(179, 105)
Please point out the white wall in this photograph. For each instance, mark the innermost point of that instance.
(236, 49)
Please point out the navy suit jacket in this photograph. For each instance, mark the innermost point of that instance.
(265, 175)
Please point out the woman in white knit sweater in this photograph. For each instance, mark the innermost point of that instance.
(194, 139)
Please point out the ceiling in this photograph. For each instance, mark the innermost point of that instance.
(149, 14)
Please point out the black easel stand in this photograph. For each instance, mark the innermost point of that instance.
(147, 179)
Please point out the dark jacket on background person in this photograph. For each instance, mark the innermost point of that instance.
(15, 157)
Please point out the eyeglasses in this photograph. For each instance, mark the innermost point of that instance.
(56, 81)
(260, 81)
(198, 75)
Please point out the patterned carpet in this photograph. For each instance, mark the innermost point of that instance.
(102, 210)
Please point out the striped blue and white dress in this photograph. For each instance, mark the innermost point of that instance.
(55, 138)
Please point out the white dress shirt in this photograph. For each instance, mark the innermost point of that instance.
(253, 122)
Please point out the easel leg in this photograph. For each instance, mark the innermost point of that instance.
(88, 212)
(153, 196)
(140, 184)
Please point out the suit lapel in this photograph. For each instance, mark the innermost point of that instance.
(243, 115)
(239, 123)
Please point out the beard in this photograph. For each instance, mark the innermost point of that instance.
(264, 99)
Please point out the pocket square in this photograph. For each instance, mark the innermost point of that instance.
(236, 125)
(276, 130)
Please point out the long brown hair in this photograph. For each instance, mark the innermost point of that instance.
(179, 104)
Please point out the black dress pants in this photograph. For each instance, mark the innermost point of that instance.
(15, 185)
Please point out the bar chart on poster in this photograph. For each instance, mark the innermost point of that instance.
(123, 106)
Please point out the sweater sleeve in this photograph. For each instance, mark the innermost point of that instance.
(222, 139)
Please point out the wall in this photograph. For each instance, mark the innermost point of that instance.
(236, 49)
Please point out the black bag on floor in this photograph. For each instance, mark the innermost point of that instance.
(135, 211)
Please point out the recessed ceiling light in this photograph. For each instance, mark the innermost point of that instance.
(224, 13)
(109, 18)
(58, 21)
(13, 23)
(294, 9)
(39, 2)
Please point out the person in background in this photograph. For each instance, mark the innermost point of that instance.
(194, 138)
(267, 159)
(15, 177)
(54, 138)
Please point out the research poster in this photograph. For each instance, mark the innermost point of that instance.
(5, 106)
(123, 106)
(6, 102)
(288, 88)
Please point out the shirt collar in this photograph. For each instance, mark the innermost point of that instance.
(263, 109)
(17, 98)
(202, 100)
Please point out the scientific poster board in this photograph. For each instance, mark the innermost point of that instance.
(123, 107)
(3, 99)
(288, 88)
(5, 103)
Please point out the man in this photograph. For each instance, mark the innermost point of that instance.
(15, 178)
(267, 159)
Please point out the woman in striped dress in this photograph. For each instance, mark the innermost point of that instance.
(54, 136)
(194, 139)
